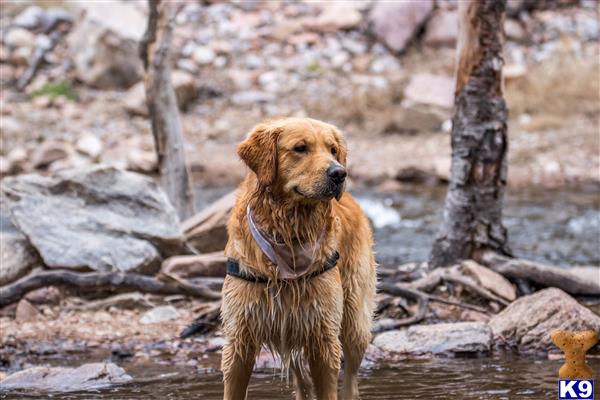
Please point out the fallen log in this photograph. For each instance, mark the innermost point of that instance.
(101, 280)
(539, 274)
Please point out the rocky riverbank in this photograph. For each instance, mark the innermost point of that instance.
(389, 87)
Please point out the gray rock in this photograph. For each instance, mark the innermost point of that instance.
(431, 90)
(252, 97)
(411, 117)
(336, 16)
(104, 44)
(396, 23)
(17, 256)
(159, 314)
(36, 18)
(203, 55)
(100, 218)
(90, 145)
(60, 379)
(19, 37)
(184, 84)
(442, 29)
(26, 312)
(49, 152)
(459, 337)
(527, 323)
(30, 18)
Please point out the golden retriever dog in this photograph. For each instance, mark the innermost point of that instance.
(301, 269)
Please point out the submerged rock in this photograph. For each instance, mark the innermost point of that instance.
(99, 218)
(448, 338)
(527, 323)
(60, 379)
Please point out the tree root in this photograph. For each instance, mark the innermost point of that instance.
(539, 274)
(395, 290)
(101, 280)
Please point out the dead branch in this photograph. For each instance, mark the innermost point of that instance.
(100, 280)
(452, 275)
(155, 51)
(472, 286)
(395, 290)
(128, 300)
(39, 55)
(540, 274)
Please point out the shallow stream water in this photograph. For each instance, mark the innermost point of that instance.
(497, 377)
(556, 227)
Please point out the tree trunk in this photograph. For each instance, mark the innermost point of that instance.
(155, 51)
(473, 208)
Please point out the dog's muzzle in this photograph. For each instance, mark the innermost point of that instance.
(336, 175)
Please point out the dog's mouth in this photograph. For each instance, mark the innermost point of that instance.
(328, 193)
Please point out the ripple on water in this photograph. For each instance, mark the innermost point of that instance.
(494, 378)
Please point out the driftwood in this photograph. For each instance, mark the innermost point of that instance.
(422, 300)
(473, 206)
(395, 290)
(59, 29)
(155, 52)
(539, 274)
(100, 280)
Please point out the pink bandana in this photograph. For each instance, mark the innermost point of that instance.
(290, 266)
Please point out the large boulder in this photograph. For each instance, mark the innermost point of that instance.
(104, 43)
(207, 230)
(396, 23)
(17, 256)
(98, 218)
(59, 379)
(447, 338)
(527, 323)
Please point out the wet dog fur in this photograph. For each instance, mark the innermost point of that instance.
(310, 320)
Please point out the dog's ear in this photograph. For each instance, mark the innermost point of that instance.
(342, 149)
(259, 152)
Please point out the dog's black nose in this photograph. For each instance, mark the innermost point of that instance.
(336, 173)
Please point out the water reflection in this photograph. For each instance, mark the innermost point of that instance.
(498, 377)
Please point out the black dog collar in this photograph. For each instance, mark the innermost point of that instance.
(233, 269)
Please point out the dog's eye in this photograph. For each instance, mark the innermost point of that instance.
(333, 151)
(300, 148)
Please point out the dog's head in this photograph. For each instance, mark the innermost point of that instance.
(301, 158)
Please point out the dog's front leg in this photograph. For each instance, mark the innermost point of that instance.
(325, 372)
(237, 364)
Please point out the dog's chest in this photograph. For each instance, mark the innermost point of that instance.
(292, 317)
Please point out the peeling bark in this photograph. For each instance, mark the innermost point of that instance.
(473, 208)
(155, 51)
